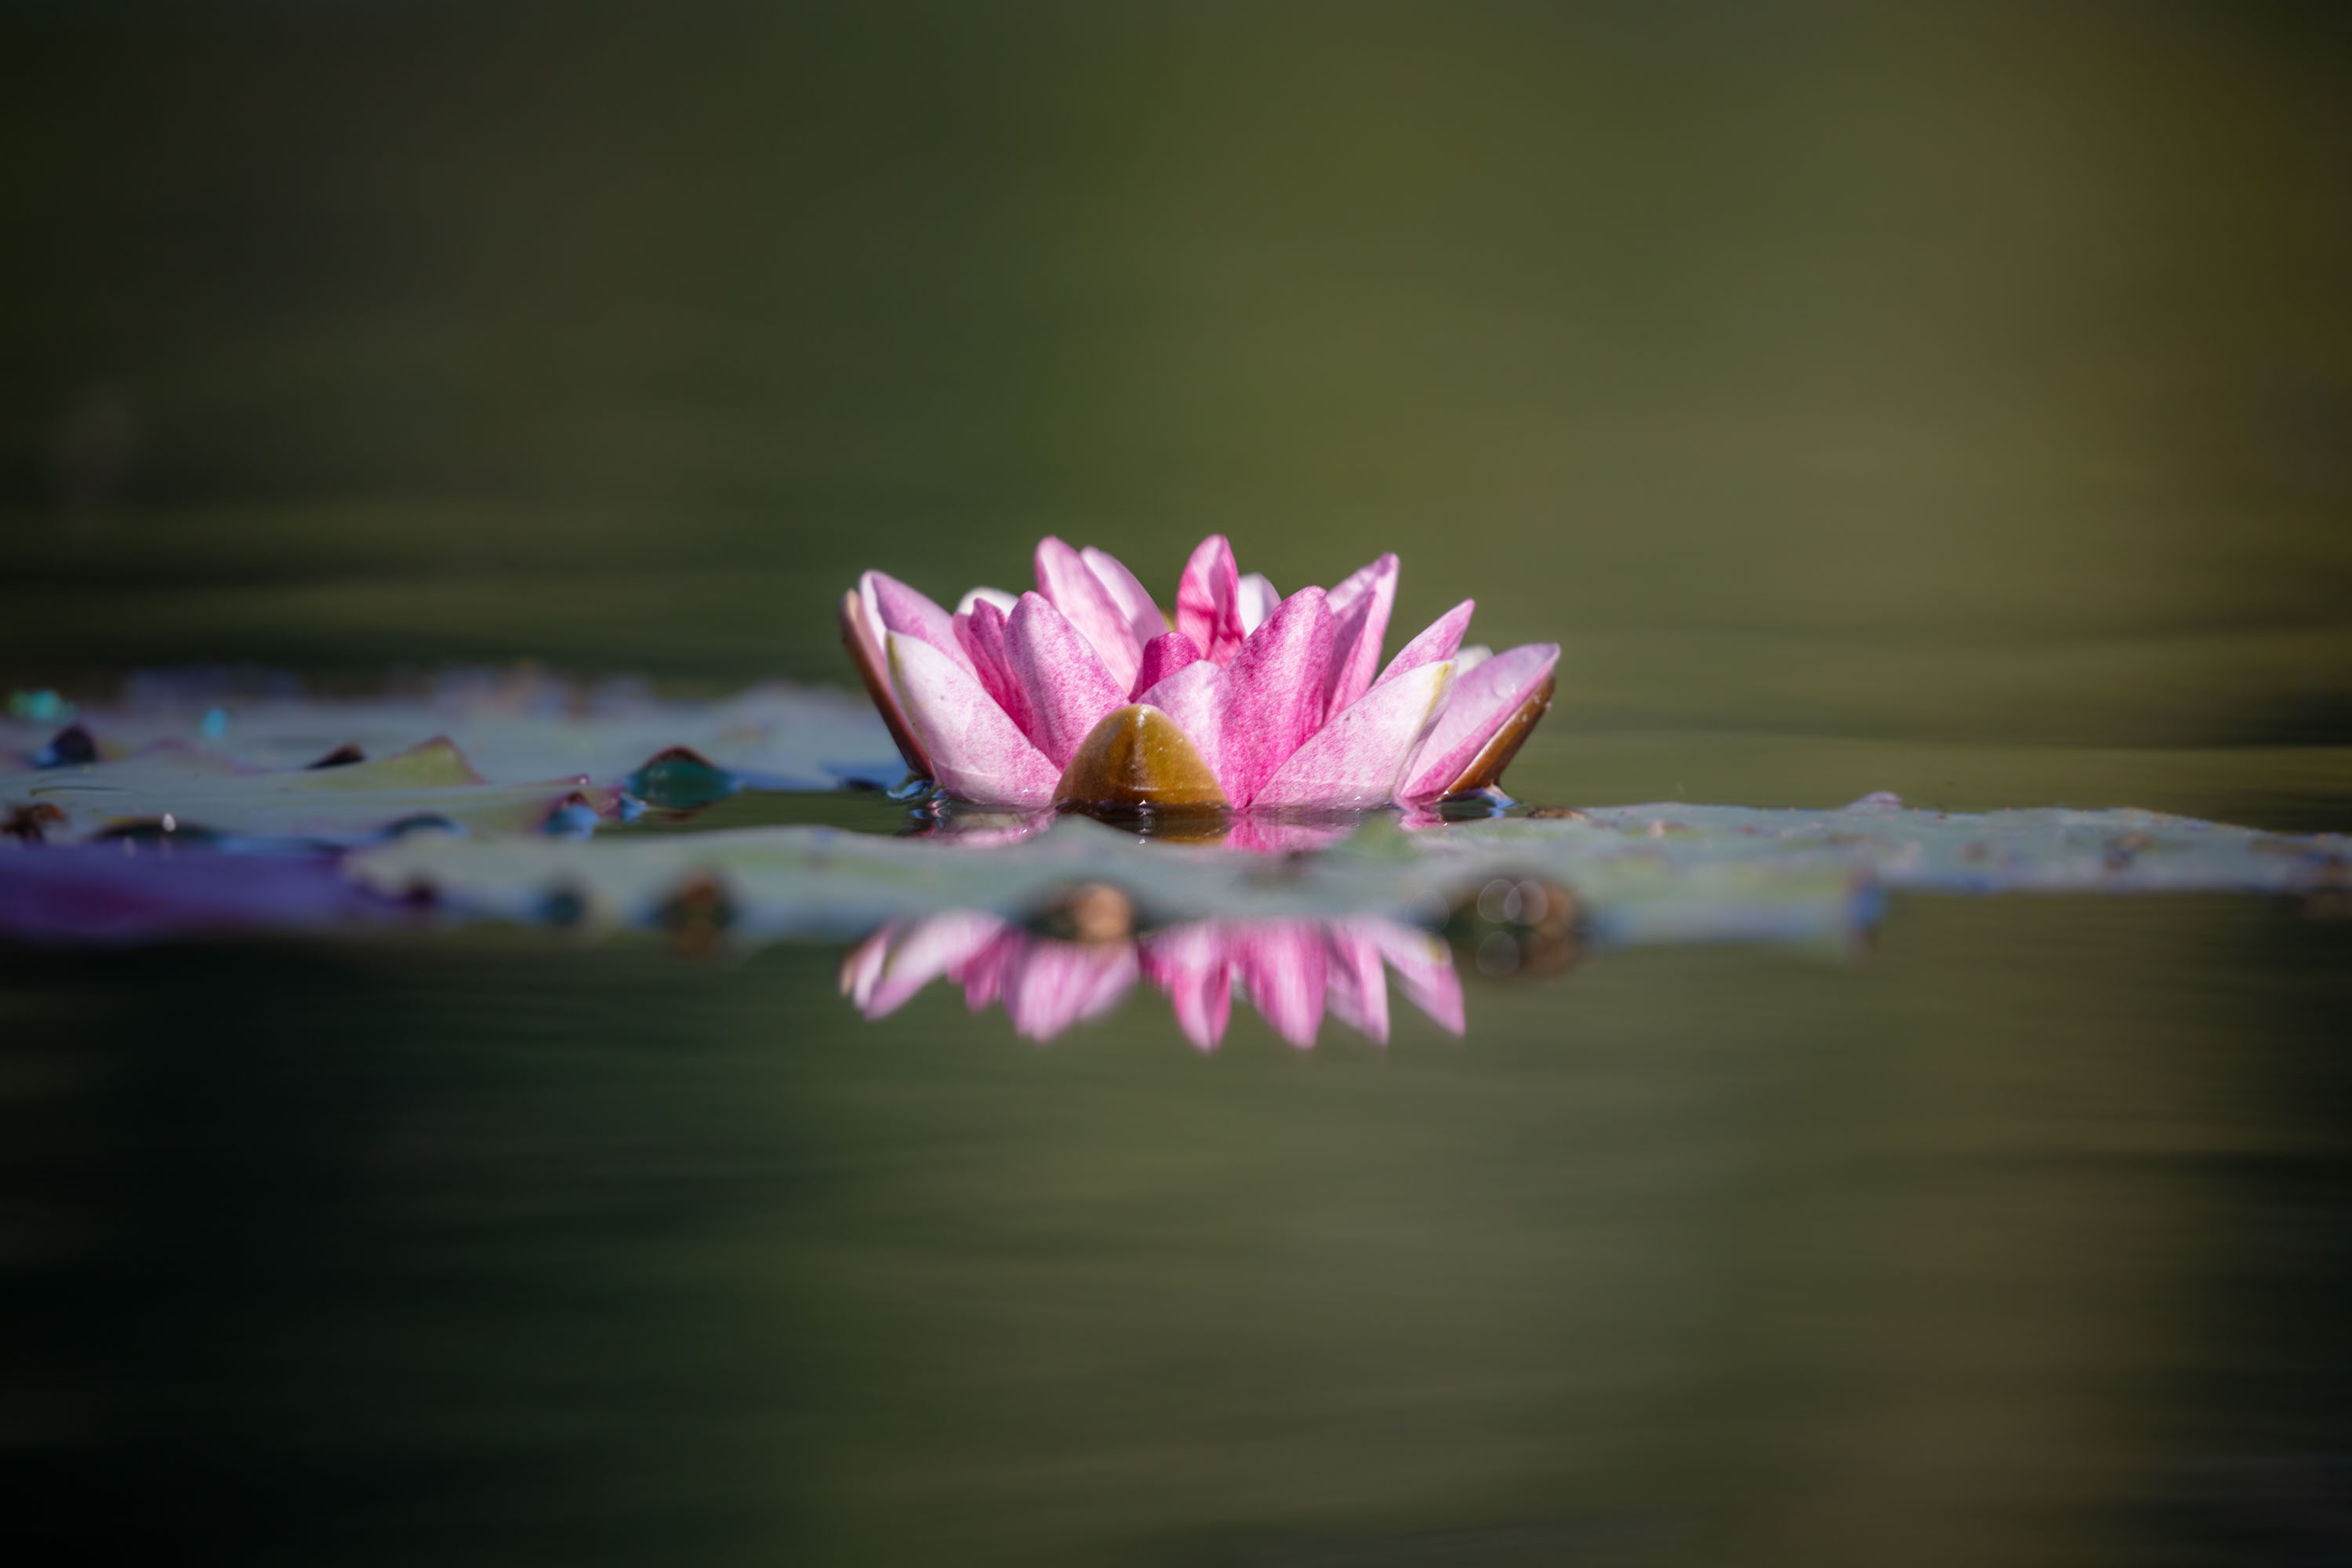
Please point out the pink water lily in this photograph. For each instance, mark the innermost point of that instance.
(1085, 690)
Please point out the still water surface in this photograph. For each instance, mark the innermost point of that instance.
(2021, 1239)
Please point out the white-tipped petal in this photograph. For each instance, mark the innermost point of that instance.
(997, 596)
(977, 752)
(1066, 687)
(1360, 606)
(1434, 643)
(1070, 586)
(1355, 759)
(1133, 599)
(1256, 600)
(1481, 702)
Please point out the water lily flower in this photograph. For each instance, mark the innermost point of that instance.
(1293, 971)
(1085, 691)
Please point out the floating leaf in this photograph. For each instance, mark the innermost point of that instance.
(2051, 849)
(513, 729)
(344, 805)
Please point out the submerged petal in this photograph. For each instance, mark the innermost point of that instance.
(1208, 608)
(1189, 964)
(1424, 969)
(1355, 759)
(1138, 756)
(1067, 686)
(1360, 606)
(1070, 586)
(863, 967)
(1273, 698)
(1284, 964)
(933, 946)
(1357, 987)
(977, 752)
(1049, 986)
(1510, 689)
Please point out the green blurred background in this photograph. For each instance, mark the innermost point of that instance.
(1963, 377)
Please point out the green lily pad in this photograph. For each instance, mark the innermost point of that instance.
(185, 790)
(512, 730)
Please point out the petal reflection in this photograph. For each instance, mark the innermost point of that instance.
(1292, 971)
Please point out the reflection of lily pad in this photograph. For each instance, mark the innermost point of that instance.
(99, 893)
(817, 882)
(1639, 874)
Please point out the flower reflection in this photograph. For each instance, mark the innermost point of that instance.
(1292, 971)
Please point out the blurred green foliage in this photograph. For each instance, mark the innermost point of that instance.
(1965, 372)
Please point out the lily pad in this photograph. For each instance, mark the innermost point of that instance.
(512, 729)
(182, 789)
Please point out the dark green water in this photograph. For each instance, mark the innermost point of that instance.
(2021, 1241)
(1949, 400)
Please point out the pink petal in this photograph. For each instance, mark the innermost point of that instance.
(982, 974)
(1260, 833)
(1068, 690)
(1163, 656)
(1051, 986)
(1358, 988)
(1354, 759)
(1208, 607)
(1359, 611)
(997, 596)
(1479, 704)
(1425, 968)
(977, 751)
(981, 630)
(1273, 695)
(863, 967)
(1195, 697)
(898, 609)
(935, 945)
(1435, 644)
(1255, 599)
(1284, 964)
(1133, 599)
(862, 634)
(1189, 964)
(1069, 585)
